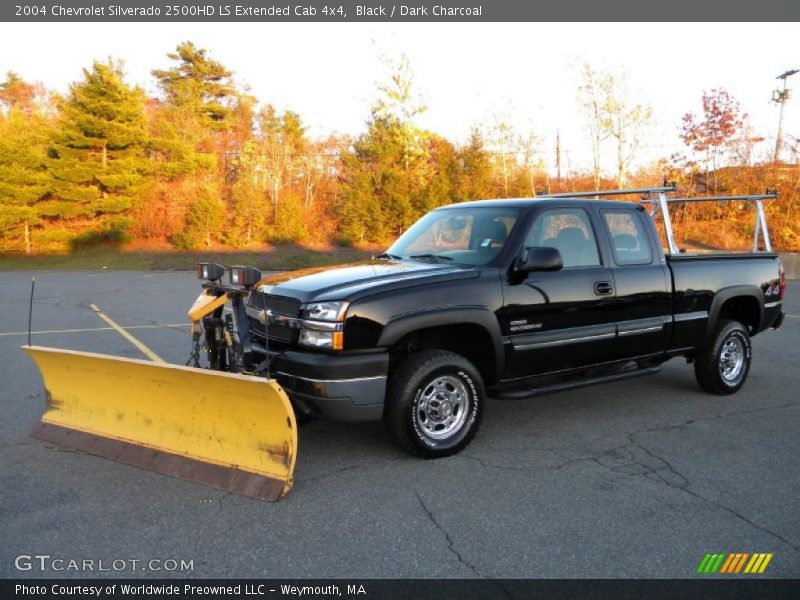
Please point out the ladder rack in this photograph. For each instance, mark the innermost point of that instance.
(657, 196)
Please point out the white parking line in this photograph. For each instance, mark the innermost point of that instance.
(128, 336)
(89, 329)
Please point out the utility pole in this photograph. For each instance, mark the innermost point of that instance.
(780, 97)
(558, 159)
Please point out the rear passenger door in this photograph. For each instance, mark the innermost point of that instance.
(563, 319)
(642, 282)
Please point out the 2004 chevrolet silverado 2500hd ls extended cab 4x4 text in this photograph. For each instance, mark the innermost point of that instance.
(505, 298)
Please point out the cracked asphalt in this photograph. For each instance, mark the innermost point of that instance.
(631, 479)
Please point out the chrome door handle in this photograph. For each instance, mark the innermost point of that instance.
(603, 288)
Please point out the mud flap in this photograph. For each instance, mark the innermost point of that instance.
(232, 432)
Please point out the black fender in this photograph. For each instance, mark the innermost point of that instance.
(402, 325)
(734, 291)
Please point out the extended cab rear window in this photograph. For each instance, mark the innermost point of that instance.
(629, 240)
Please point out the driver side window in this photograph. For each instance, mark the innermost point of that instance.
(570, 231)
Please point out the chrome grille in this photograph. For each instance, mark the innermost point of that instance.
(279, 305)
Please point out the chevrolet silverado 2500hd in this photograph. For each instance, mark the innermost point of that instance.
(500, 298)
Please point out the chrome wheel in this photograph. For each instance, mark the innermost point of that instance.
(442, 407)
(731, 360)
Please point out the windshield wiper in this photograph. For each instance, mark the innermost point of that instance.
(436, 257)
(387, 255)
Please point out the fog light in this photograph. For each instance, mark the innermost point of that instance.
(333, 340)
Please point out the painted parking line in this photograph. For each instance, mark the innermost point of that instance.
(128, 336)
(90, 329)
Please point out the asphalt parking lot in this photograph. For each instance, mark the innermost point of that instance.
(632, 479)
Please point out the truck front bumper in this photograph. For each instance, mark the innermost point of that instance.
(347, 388)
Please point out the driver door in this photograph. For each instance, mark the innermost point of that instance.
(559, 320)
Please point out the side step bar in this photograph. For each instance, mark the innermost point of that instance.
(523, 394)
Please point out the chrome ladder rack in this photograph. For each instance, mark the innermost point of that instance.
(657, 196)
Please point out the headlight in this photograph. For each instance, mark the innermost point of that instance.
(322, 339)
(210, 271)
(325, 311)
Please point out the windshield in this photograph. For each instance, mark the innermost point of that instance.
(469, 235)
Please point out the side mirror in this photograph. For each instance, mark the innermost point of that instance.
(542, 258)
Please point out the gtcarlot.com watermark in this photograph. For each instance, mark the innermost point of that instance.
(47, 563)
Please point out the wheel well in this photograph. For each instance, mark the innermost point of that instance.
(471, 341)
(744, 309)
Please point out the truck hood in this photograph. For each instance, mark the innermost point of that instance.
(355, 280)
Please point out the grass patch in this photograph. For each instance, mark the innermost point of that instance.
(278, 258)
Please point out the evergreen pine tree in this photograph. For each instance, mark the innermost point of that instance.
(198, 83)
(98, 159)
(477, 169)
(23, 177)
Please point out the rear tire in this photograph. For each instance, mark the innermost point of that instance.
(435, 404)
(723, 363)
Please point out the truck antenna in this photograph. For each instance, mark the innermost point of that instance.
(30, 309)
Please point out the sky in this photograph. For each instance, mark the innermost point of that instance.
(466, 72)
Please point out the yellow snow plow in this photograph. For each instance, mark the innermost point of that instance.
(232, 431)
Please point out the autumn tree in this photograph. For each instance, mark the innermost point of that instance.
(593, 93)
(388, 168)
(531, 164)
(721, 122)
(248, 198)
(314, 165)
(443, 180)
(475, 168)
(16, 93)
(376, 199)
(281, 144)
(399, 105)
(624, 120)
(198, 118)
(97, 157)
(503, 142)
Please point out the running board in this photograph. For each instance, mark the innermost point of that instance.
(523, 394)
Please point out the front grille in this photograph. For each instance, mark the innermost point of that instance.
(279, 305)
(280, 333)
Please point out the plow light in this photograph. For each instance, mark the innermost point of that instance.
(245, 276)
(210, 271)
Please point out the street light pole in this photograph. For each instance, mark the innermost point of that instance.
(780, 97)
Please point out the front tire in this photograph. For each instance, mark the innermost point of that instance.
(723, 364)
(435, 404)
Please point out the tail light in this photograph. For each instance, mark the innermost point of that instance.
(782, 280)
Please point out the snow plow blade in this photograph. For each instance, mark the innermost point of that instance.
(232, 432)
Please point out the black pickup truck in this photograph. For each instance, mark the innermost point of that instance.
(501, 298)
